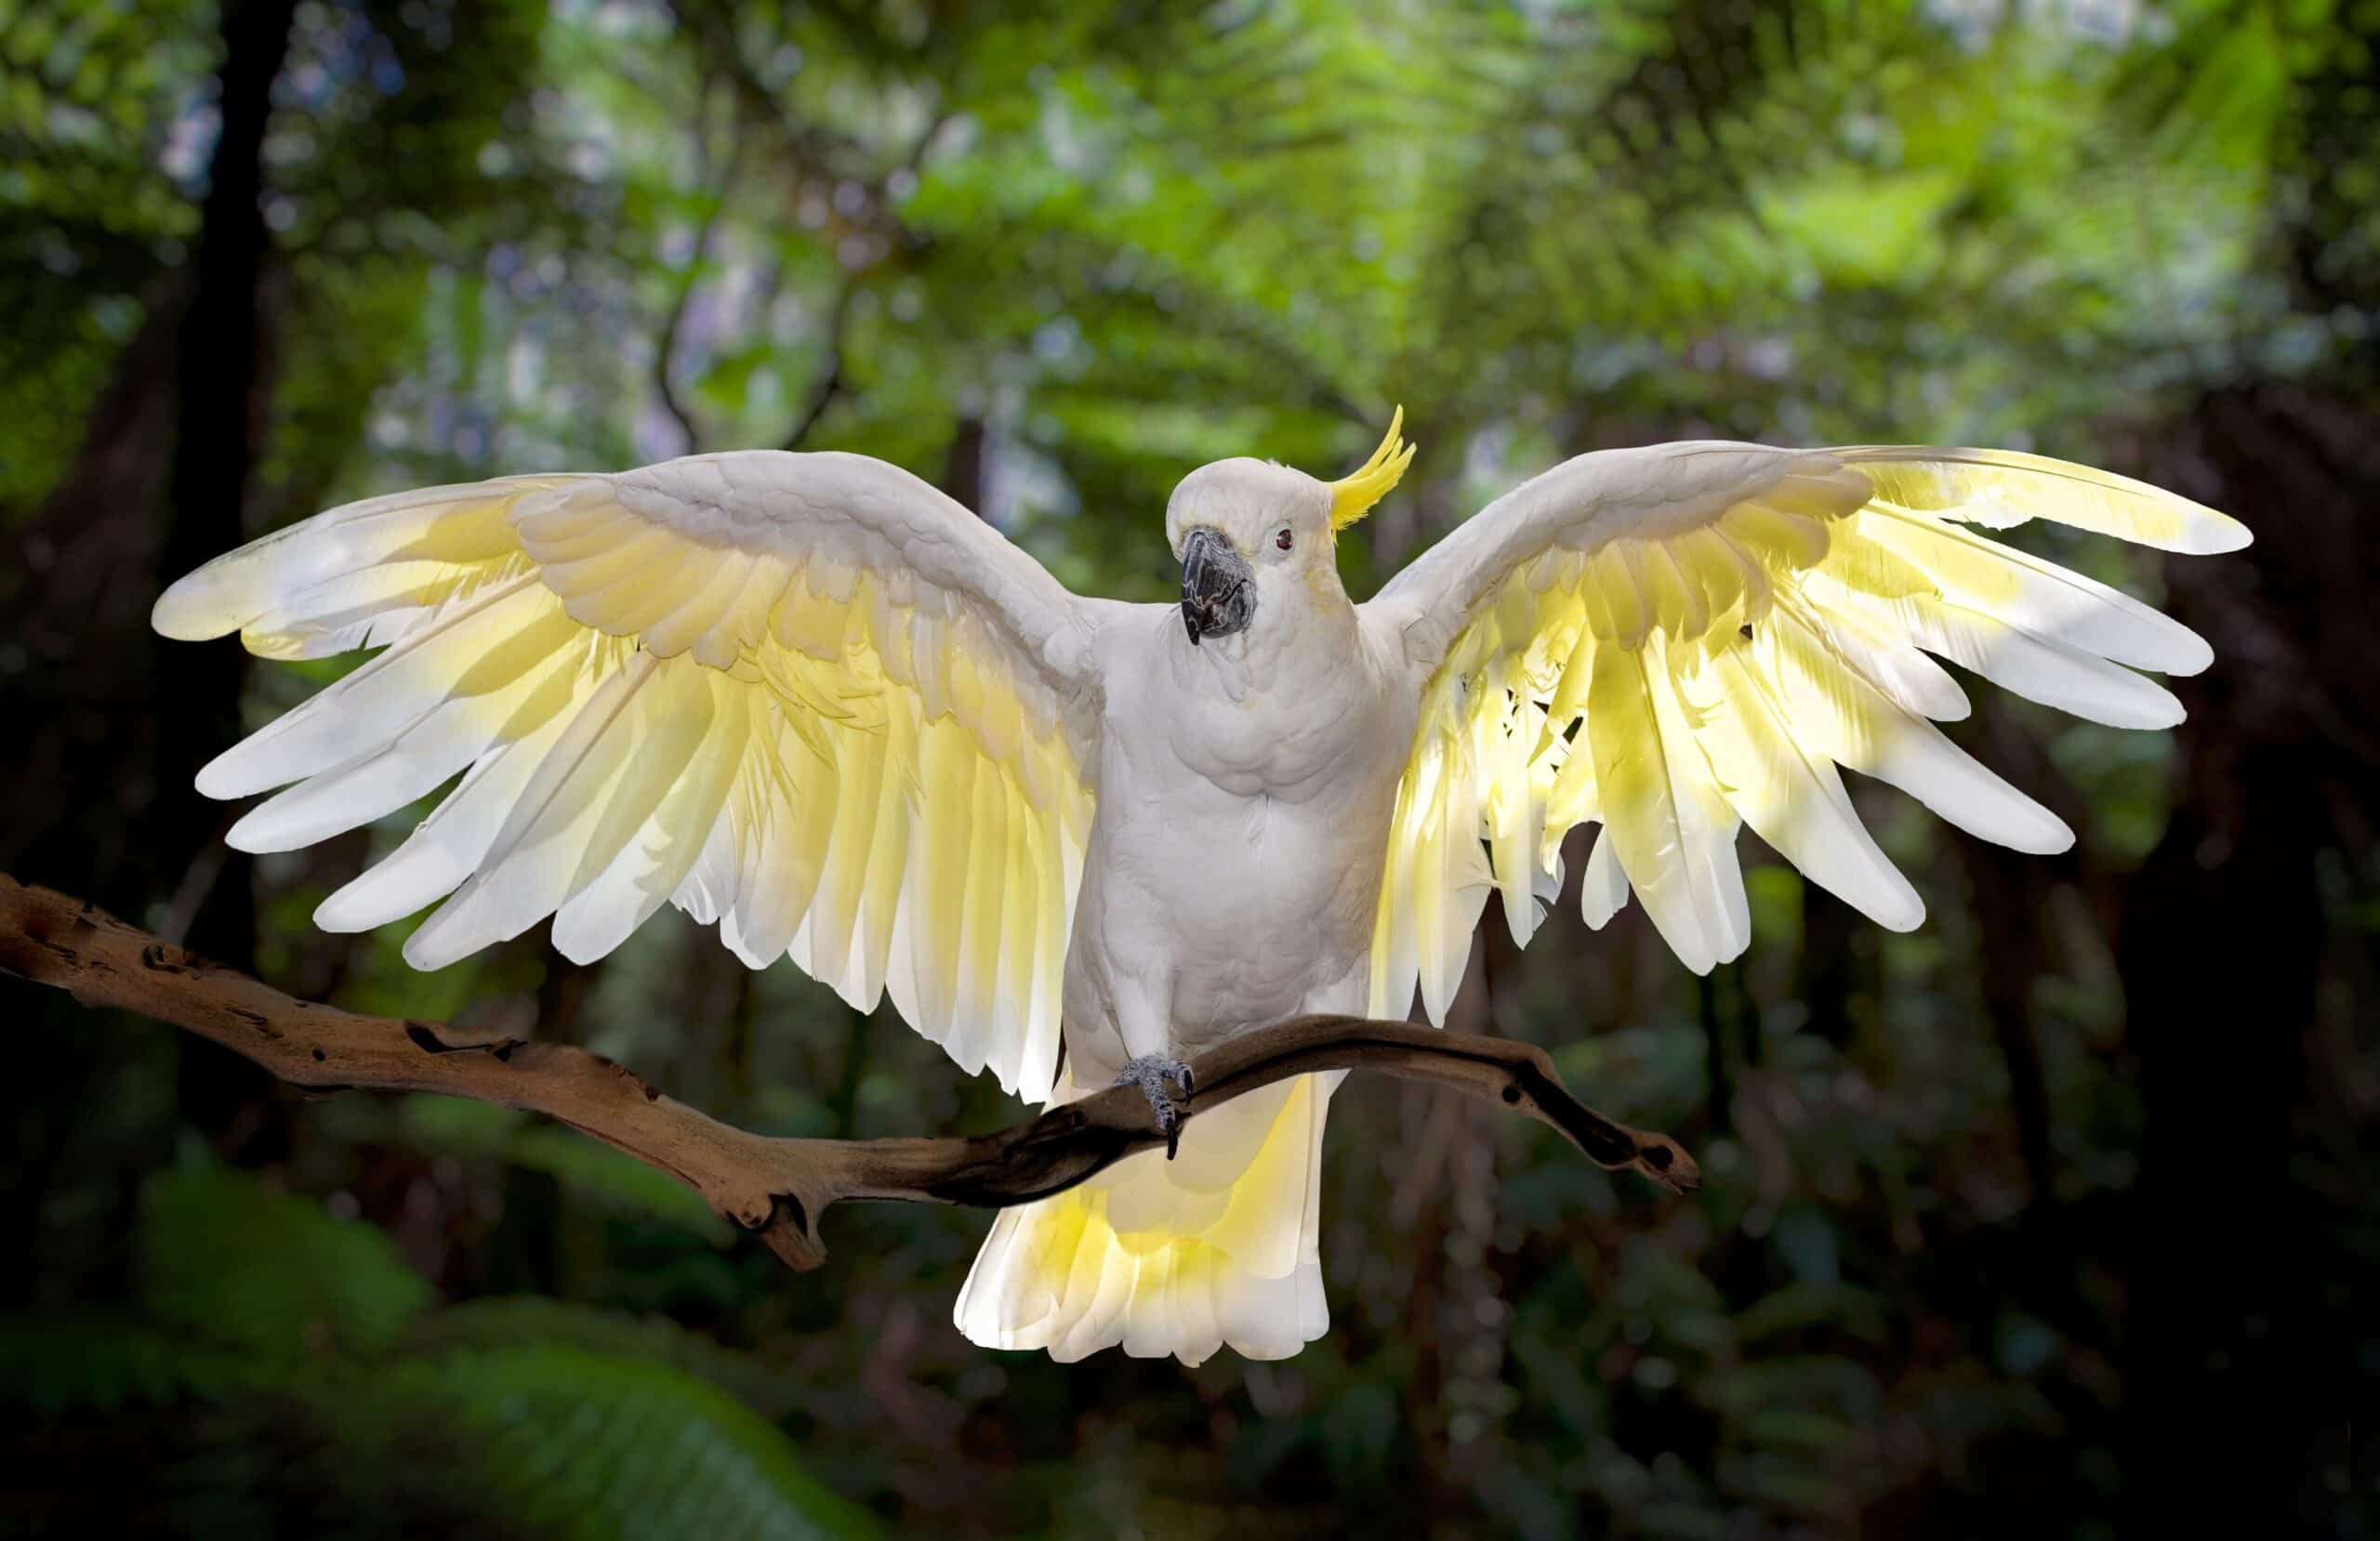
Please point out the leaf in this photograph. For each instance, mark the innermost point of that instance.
(1807, 1303)
(598, 1172)
(57, 1360)
(586, 1167)
(235, 1264)
(1857, 227)
(511, 1322)
(557, 1442)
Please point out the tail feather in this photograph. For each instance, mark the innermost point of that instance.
(1220, 1247)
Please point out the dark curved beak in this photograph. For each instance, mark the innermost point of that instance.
(1218, 587)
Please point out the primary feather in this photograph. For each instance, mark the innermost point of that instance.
(1704, 632)
(804, 696)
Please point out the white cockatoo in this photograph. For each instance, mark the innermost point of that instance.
(810, 698)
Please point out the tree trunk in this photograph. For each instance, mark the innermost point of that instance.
(2244, 1334)
(196, 691)
(196, 696)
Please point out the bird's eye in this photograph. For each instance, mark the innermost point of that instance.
(1282, 540)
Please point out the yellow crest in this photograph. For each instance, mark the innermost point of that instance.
(1352, 495)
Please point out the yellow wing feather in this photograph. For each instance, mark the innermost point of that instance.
(1673, 642)
(772, 720)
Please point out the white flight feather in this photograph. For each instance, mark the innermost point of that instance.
(1753, 618)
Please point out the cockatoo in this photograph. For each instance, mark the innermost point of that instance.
(810, 698)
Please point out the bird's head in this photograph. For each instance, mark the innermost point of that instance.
(1252, 534)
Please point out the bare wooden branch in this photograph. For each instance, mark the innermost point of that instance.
(777, 1189)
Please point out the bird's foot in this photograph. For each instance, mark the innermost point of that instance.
(1159, 1079)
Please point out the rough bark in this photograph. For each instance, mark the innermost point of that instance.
(777, 1189)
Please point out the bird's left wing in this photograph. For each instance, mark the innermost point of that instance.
(1677, 640)
(805, 695)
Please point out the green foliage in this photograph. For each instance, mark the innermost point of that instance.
(1107, 242)
(268, 1274)
(493, 1322)
(62, 1361)
(259, 1312)
(563, 1442)
(589, 1170)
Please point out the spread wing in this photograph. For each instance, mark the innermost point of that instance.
(805, 695)
(1678, 641)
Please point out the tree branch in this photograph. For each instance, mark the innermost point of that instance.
(666, 349)
(777, 1189)
(830, 383)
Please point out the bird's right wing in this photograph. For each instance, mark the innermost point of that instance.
(805, 695)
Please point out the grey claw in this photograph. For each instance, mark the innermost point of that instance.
(1157, 1077)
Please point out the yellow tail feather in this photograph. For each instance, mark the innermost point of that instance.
(1216, 1248)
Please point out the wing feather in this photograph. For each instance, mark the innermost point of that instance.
(1603, 889)
(1694, 637)
(805, 697)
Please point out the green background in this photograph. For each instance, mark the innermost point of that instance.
(2055, 1217)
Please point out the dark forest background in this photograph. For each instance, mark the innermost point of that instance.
(2057, 1217)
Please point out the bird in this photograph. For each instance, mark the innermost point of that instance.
(808, 698)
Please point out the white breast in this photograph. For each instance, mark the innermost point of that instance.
(1234, 863)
